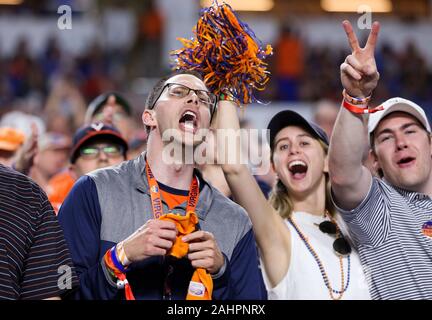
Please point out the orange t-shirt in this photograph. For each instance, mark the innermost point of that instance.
(173, 197)
(58, 188)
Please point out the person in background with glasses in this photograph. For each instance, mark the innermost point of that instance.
(155, 229)
(304, 249)
(94, 146)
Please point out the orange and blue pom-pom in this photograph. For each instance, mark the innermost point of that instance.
(227, 53)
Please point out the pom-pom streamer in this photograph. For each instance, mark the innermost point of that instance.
(227, 53)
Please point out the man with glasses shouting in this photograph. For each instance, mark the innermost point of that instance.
(95, 146)
(149, 229)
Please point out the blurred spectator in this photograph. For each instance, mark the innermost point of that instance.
(24, 157)
(19, 70)
(51, 158)
(289, 64)
(93, 67)
(51, 59)
(147, 52)
(301, 72)
(65, 107)
(23, 122)
(10, 141)
(388, 65)
(325, 115)
(113, 109)
(414, 74)
(95, 146)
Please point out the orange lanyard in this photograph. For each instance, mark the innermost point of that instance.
(156, 197)
(122, 282)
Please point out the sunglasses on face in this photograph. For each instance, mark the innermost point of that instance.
(93, 152)
(180, 91)
(340, 245)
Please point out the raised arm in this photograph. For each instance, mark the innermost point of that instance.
(270, 231)
(359, 77)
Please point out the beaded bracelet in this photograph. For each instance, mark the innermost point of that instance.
(354, 100)
(226, 97)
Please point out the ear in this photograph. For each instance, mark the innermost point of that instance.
(326, 164)
(372, 160)
(430, 143)
(149, 118)
(272, 164)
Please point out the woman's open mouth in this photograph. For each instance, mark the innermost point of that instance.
(298, 169)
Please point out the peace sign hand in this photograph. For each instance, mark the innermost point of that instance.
(359, 75)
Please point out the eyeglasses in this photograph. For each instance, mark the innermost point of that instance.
(177, 90)
(340, 245)
(92, 152)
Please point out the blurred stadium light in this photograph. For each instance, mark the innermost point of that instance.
(242, 5)
(376, 6)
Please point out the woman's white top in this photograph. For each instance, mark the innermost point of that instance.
(304, 281)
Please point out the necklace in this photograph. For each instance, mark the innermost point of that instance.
(332, 291)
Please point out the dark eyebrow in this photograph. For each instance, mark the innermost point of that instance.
(403, 127)
(279, 140)
(300, 135)
(305, 135)
(407, 125)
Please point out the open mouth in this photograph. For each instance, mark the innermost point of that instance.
(298, 169)
(188, 121)
(406, 162)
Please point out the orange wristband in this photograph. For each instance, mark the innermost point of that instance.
(355, 101)
(359, 110)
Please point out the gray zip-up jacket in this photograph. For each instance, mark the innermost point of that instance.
(107, 205)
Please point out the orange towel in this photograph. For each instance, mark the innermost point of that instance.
(201, 285)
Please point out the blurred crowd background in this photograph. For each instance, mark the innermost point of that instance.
(49, 75)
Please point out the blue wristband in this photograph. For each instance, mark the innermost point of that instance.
(117, 263)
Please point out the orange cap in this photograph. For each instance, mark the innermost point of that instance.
(11, 139)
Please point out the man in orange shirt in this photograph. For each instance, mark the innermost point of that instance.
(95, 146)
